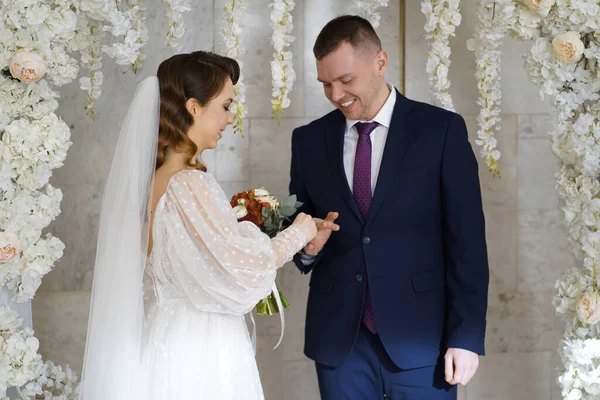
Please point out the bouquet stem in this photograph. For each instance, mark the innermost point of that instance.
(268, 306)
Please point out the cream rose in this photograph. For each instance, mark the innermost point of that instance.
(9, 246)
(261, 192)
(568, 47)
(587, 306)
(27, 67)
(539, 5)
(240, 211)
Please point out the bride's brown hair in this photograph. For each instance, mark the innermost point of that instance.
(200, 75)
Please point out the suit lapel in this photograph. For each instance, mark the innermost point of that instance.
(335, 144)
(399, 134)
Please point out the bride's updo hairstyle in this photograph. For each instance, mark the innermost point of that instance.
(200, 75)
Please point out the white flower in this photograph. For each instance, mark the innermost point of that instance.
(27, 67)
(495, 18)
(54, 383)
(231, 34)
(62, 23)
(36, 15)
(40, 257)
(526, 24)
(33, 101)
(568, 47)
(129, 26)
(574, 394)
(174, 21)
(30, 212)
(9, 319)
(575, 15)
(240, 211)
(368, 10)
(261, 192)
(442, 18)
(282, 66)
(34, 148)
(19, 361)
(62, 68)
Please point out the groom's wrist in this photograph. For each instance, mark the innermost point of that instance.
(304, 253)
(306, 259)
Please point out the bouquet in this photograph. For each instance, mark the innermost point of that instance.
(262, 209)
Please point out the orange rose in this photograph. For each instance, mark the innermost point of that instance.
(254, 212)
(253, 206)
(240, 196)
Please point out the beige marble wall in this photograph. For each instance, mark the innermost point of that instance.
(524, 229)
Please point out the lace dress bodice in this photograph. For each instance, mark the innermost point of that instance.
(202, 253)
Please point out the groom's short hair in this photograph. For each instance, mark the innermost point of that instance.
(348, 28)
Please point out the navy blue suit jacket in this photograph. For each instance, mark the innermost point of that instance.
(422, 250)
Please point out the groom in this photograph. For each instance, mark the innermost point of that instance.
(398, 295)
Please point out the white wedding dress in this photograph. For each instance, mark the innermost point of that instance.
(207, 271)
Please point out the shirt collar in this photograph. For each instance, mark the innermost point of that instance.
(384, 116)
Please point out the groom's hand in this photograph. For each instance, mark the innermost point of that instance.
(460, 366)
(324, 229)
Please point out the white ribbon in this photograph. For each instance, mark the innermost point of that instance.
(253, 332)
(281, 317)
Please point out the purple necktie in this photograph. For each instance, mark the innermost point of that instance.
(363, 195)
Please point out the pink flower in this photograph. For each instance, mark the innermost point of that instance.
(539, 4)
(27, 67)
(588, 307)
(9, 246)
(272, 201)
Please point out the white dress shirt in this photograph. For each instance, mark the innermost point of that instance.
(378, 138)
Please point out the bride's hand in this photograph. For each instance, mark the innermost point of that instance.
(325, 227)
(307, 224)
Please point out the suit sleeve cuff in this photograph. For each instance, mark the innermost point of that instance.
(307, 259)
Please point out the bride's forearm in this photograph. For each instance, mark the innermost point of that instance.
(287, 243)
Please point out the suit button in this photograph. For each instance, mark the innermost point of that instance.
(359, 277)
(366, 240)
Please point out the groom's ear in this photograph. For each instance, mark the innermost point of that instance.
(382, 62)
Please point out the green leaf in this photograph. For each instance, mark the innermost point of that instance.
(269, 224)
(287, 211)
(290, 201)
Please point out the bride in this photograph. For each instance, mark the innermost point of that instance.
(165, 218)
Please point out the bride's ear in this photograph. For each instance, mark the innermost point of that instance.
(193, 107)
